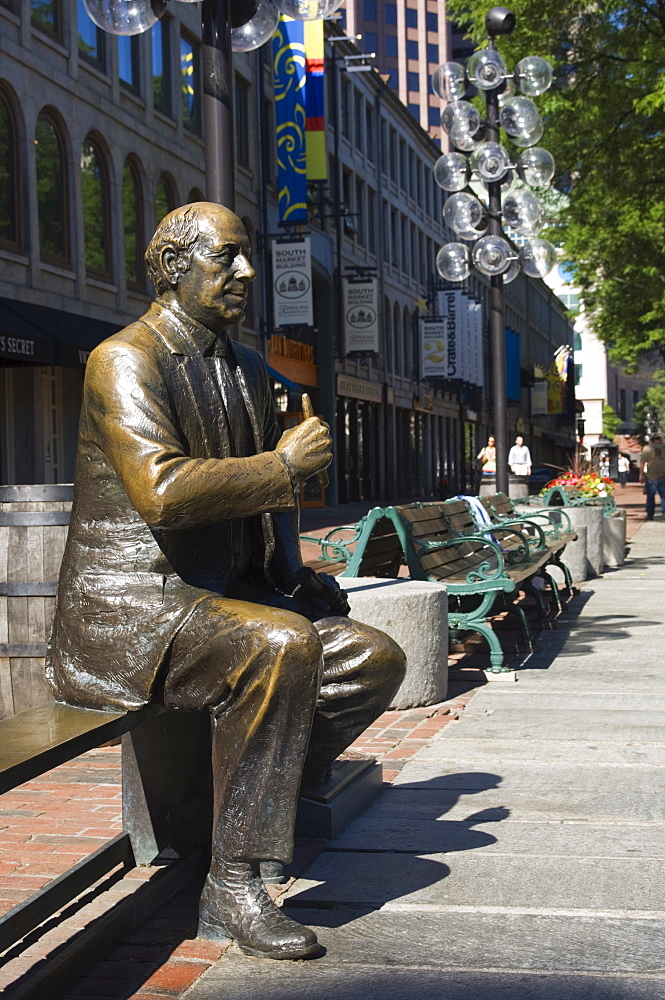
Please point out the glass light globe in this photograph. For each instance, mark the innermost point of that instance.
(486, 69)
(529, 138)
(536, 166)
(522, 211)
(519, 116)
(308, 10)
(453, 262)
(490, 161)
(257, 31)
(491, 255)
(462, 140)
(449, 81)
(512, 272)
(533, 75)
(465, 215)
(460, 119)
(451, 172)
(537, 258)
(125, 17)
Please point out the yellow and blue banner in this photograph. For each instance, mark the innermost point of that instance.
(298, 64)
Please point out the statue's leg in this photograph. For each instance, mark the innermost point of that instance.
(257, 670)
(363, 668)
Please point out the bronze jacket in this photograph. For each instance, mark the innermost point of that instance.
(155, 498)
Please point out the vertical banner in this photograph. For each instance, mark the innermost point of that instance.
(433, 354)
(479, 367)
(361, 315)
(539, 398)
(292, 283)
(450, 306)
(289, 79)
(465, 317)
(317, 161)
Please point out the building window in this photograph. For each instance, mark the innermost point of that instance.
(370, 41)
(242, 121)
(372, 220)
(96, 215)
(165, 197)
(51, 191)
(391, 45)
(369, 10)
(47, 16)
(90, 37)
(370, 132)
(360, 213)
(161, 65)
(432, 21)
(393, 78)
(269, 151)
(412, 81)
(390, 13)
(128, 62)
(622, 404)
(578, 374)
(346, 107)
(9, 174)
(358, 120)
(415, 110)
(132, 220)
(196, 194)
(432, 54)
(411, 16)
(411, 50)
(190, 84)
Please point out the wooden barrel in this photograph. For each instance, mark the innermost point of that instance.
(33, 531)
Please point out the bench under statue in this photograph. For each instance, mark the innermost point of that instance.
(182, 586)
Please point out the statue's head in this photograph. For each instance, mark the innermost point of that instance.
(199, 258)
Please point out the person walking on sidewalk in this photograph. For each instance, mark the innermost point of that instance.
(623, 468)
(652, 474)
(487, 458)
(519, 458)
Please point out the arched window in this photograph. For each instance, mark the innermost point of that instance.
(387, 335)
(399, 345)
(165, 198)
(96, 215)
(196, 194)
(9, 201)
(408, 344)
(52, 183)
(132, 224)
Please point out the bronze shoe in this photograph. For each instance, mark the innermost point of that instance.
(235, 905)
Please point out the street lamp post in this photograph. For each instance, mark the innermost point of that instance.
(489, 187)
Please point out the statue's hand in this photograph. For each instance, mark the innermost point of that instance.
(322, 590)
(306, 449)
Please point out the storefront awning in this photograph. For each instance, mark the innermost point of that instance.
(32, 334)
(283, 380)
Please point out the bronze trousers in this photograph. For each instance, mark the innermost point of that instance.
(286, 696)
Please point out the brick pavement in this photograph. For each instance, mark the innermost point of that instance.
(48, 824)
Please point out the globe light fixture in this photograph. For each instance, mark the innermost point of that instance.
(490, 161)
(451, 172)
(308, 10)
(536, 166)
(492, 255)
(453, 262)
(258, 30)
(538, 258)
(449, 81)
(465, 215)
(522, 211)
(533, 76)
(486, 69)
(125, 17)
(512, 272)
(460, 120)
(529, 138)
(519, 117)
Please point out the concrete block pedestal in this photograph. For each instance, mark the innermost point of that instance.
(614, 538)
(415, 614)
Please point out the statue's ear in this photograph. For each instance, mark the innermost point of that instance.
(169, 265)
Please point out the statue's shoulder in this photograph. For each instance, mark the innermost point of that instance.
(136, 339)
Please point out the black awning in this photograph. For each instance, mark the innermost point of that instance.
(283, 380)
(32, 334)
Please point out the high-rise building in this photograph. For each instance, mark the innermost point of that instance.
(410, 38)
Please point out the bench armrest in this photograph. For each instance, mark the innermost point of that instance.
(483, 571)
(335, 549)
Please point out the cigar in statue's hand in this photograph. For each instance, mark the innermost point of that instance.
(308, 411)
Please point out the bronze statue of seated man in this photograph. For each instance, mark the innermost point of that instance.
(179, 580)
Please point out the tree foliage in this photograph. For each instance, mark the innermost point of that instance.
(605, 125)
(611, 421)
(649, 412)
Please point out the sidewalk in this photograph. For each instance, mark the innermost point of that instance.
(48, 824)
(519, 854)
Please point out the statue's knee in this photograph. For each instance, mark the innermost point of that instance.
(298, 646)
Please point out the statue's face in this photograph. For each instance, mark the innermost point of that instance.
(214, 289)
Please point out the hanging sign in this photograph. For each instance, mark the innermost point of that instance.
(450, 306)
(361, 316)
(434, 361)
(292, 283)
